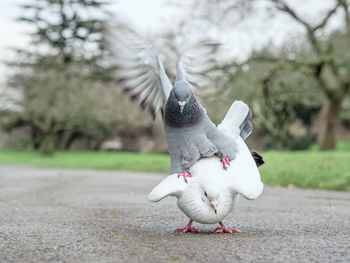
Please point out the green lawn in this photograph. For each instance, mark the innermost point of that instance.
(325, 170)
(92, 160)
(306, 169)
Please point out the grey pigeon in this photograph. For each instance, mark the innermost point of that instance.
(189, 131)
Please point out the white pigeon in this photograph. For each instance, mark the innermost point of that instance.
(211, 193)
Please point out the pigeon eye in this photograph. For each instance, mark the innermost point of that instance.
(205, 193)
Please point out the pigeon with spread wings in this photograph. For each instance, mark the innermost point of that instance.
(190, 134)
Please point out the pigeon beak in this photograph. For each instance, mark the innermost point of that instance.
(214, 206)
(182, 105)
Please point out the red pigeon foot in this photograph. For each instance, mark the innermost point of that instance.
(187, 228)
(224, 229)
(225, 162)
(185, 175)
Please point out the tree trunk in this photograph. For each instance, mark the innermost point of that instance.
(47, 144)
(35, 136)
(59, 139)
(72, 138)
(329, 117)
(98, 146)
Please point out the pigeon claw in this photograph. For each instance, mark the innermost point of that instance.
(225, 162)
(187, 229)
(224, 229)
(185, 175)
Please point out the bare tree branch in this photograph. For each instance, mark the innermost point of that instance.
(345, 6)
(317, 74)
(309, 68)
(285, 61)
(327, 17)
(284, 7)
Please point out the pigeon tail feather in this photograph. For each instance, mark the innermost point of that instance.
(257, 158)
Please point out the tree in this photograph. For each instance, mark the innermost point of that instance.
(273, 92)
(324, 64)
(326, 69)
(71, 29)
(63, 66)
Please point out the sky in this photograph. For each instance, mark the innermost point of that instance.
(154, 16)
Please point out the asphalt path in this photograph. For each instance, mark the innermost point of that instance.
(52, 215)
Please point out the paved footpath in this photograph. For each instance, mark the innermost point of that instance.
(51, 215)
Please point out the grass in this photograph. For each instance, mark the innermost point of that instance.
(324, 170)
(341, 145)
(89, 160)
(305, 169)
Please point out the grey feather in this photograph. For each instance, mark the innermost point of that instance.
(188, 144)
(138, 69)
(246, 130)
(190, 134)
(196, 62)
(246, 127)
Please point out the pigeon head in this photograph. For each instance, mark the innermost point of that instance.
(182, 108)
(210, 196)
(182, 93)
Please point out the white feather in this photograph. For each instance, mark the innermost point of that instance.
(169, 186)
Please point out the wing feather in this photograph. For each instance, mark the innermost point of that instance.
(171, 185)
(196, 62)
(138, 69)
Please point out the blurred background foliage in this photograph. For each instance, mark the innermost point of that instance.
(65, 97)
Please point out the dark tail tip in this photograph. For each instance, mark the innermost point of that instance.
(257, 158)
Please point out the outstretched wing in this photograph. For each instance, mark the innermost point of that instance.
(138, 69)
(195, 62)
(172, 185)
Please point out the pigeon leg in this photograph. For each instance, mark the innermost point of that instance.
(224, 229)
(185, 175)
(187, 228)
(225, 162)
